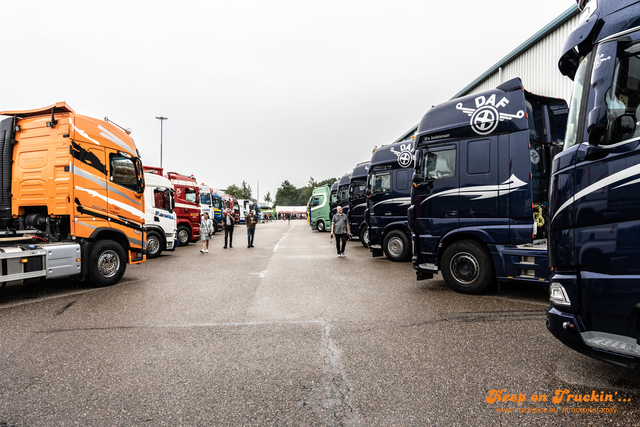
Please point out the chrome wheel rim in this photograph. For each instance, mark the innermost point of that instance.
(108, 263)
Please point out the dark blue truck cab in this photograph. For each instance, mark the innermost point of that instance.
(343, 192)
(479, 199)
(333, 200)
(358, 202)
(388, 198)
(594, 240)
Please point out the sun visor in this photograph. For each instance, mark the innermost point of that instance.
(568, 63)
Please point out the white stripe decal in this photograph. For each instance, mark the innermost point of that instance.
(124, 206)
(619, 176)
(484, 191)
(324, 203)
(184, 205)
(81, 132)
(111, 137)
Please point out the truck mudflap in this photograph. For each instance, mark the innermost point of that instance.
(50, 261)
(569, 329)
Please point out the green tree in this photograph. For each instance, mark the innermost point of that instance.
(246, 191)
(268, 198)
(234, 191)
(287, 194)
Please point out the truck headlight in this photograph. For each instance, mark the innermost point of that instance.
(558, 295)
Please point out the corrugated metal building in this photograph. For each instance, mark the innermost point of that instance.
(535, 62)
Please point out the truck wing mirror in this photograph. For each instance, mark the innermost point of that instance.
(367, 192)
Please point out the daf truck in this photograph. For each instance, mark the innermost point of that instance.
(388, 199)
(71, 197)
(594, 209)
(333, 201)
(159, 215)
(358, 202)
(319, 210)
(343, 192)
(479, 202)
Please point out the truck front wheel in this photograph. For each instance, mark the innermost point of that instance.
(396, 246)
(107, 263)
(467, 267)
(154, 245)
(320, 225)
(364, 236)
(184, 235)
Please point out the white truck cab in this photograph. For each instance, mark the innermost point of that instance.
(160, 219)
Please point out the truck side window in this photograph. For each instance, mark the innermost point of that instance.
(402, 179)
(190, 195)
(123, 171)
(623, 99)
(380, 183)
(316, 201)
(439, 164)
(216, 203)
(478, 156)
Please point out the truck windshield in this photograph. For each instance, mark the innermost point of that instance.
(217, 203)
(205, 199)
(380, 183)
(334, 198)
(357, 189)
(343, 195)
(576, 101)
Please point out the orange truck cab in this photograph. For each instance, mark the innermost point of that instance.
(71, 197)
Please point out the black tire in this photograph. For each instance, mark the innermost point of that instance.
(320, 226)
(364, 236)
(184, 235)
(396, 246)
(466, 267)
(107, 263)
(154, 244)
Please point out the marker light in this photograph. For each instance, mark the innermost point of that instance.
(24, 260)
(558, 295)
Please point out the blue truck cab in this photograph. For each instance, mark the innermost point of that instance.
(594, 240)
(343, 192)
(388, 198)
(333, 201)
(479, 199)
(358, 202)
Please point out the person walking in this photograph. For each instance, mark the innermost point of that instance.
(340, 229)
(252, 220)
(229, 222)
(206, 231)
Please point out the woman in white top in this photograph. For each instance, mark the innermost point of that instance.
(206, 231)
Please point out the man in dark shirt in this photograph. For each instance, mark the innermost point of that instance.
(228, 228)
(340, 229)
(251, 220)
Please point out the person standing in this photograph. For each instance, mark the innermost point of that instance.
(206, 231)
(252, 220)
(340, 229)
(229, 221)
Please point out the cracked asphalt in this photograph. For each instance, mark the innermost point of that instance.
(286, 333)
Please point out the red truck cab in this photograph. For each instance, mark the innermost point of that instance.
(187, 196)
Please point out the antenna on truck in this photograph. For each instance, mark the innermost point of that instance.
(127, 130)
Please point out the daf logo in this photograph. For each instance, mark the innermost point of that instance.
(486, 117)
(599, 60)
(404, 155)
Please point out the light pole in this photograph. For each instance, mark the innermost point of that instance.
(162, 119)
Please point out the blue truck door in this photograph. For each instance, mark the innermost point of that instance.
(479, 184)
(401, 193)
(438, 212)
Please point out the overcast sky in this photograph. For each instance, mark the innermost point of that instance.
(258, 90)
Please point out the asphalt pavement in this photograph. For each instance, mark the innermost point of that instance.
(287, 333)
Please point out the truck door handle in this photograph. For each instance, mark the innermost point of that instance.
(451, 213)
